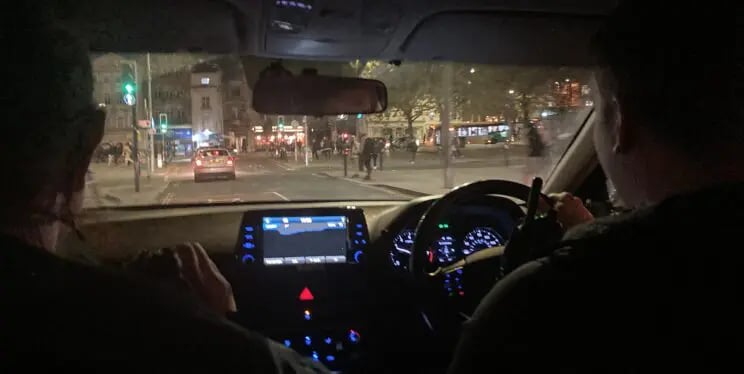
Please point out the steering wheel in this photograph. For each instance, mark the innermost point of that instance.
(521, 246)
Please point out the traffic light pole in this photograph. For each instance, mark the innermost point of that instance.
(135, 150)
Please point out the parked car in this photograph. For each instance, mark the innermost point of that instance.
(214, 163)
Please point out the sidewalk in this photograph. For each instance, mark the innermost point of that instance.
(114, 186)
(431, 181)
(471, 157)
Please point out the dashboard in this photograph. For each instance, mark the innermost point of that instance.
(329, 280)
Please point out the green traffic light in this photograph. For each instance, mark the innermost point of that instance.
(129, 88)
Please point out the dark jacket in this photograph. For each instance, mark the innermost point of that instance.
(661, 288)
(67, 315)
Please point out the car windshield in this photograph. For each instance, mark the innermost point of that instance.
(447, 123)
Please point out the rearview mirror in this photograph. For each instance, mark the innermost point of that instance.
(318, 95)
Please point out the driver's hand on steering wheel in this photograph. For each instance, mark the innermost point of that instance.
(570, 211)
(204, 278)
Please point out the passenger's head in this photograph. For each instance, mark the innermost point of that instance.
(670, 81)
(50, 126)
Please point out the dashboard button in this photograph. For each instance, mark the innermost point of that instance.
(315, 356)
(287, 343)
(335, 259)
(249, 229)
(274, 261)
(315, 259)
(328, 340)
(294, 260)
(308, 340)
(248, 259)
(330, 358)
(358, 256)
(248, 245)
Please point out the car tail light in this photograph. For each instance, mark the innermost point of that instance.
(198, 162)
(229, 160)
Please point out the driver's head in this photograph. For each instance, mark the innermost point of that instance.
(671, 114)
(50, 125)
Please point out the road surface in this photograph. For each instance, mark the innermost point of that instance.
(260, 178)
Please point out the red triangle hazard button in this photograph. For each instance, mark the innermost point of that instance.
(306, 295)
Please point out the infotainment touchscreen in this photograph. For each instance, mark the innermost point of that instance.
(304, 240)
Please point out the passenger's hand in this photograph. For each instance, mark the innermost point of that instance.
(569, 209)
(204, 278)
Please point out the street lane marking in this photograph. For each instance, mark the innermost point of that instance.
(280, 195)
(167, 199)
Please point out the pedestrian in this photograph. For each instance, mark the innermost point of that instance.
(365, 156)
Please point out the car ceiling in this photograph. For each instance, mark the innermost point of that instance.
(496, 31)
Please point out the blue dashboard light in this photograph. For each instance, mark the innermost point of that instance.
(249, 245)
(328, 340)
(308, 341)
(359, 225)
(359, 233)
(248, 236)
(249, 229)
(354, 336)
(315, 356)
(364, 241)
(287, 343)
(330, 358)
(248, 259)
(358, 256)
(356, 241)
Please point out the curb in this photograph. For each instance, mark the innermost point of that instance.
(400, 190)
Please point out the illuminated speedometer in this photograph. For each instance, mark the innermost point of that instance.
(402, 245)
(481, 238)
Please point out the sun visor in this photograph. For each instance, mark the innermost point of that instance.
(504, 38)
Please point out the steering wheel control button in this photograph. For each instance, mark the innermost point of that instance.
(248, 236)
(249, 245)
(358, 255)
(287, 343)
(328, 340)
(330, 358)
(315, 356)
(354, 336)
(308, 341)
(249, 229)
(248, 259)
(306, 315)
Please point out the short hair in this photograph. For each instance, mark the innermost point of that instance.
(45, 97)
(676, 69)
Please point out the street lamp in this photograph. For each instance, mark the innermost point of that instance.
(472, 70)
(511, 92)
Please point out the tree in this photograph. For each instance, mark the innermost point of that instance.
(409, 91)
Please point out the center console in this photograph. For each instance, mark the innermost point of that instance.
(305, 286)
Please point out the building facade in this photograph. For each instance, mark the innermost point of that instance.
(107, 93)
(206, 103)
